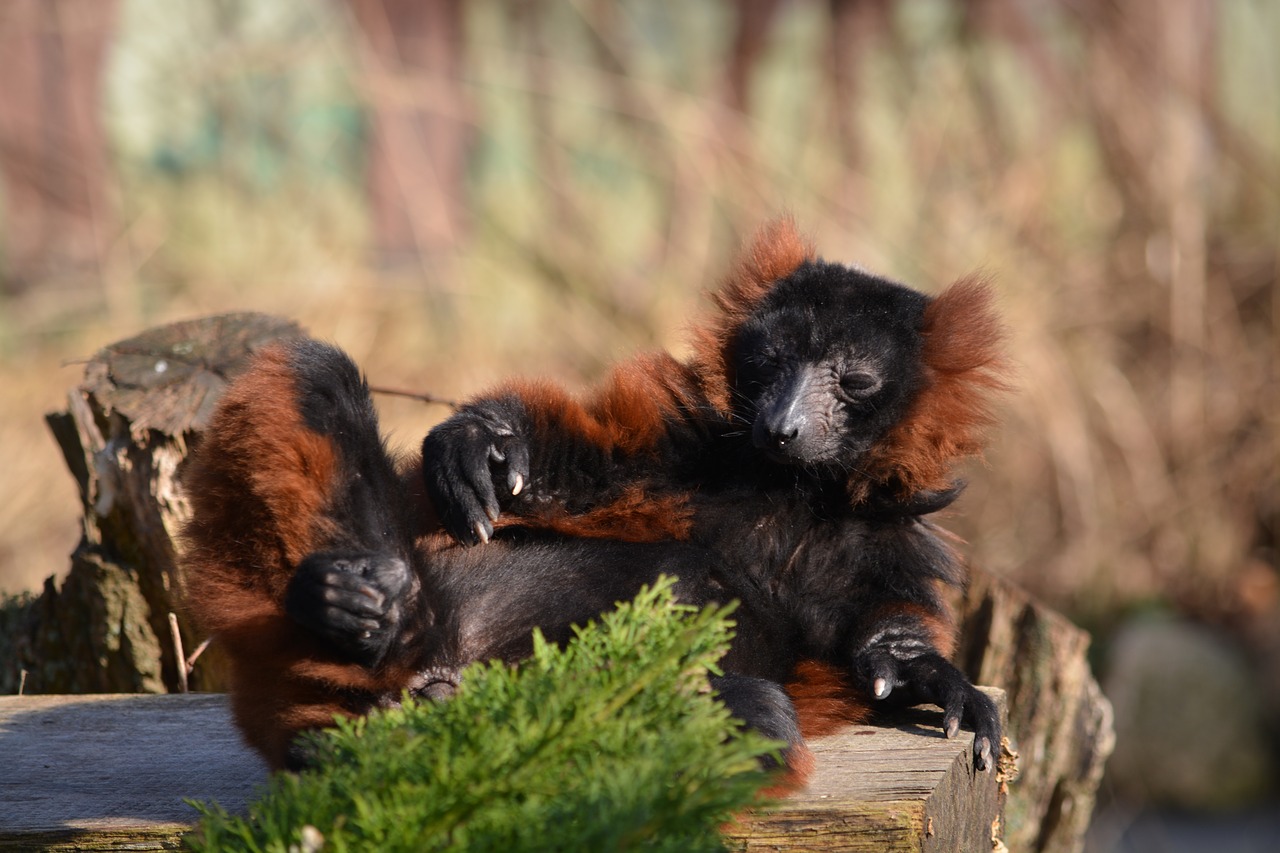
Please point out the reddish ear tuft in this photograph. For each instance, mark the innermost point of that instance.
(963, 331)
(776, 251)
(965, 367)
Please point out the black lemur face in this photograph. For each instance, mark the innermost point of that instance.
(827, 363)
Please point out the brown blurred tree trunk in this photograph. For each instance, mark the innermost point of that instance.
(855, 26)
(58, 217)
(412, 53)
(753, 24)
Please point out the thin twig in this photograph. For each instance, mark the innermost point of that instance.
(191, 661)
(178, 656)
(414, 395)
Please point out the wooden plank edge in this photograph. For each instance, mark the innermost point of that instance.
(72, 840)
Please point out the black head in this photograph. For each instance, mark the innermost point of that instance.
(827, 362)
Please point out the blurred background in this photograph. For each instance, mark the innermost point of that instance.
(455, 192)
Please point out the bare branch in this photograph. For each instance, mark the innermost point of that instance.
(414, 395)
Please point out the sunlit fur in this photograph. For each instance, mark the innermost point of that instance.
(825, 543)
(829, 528)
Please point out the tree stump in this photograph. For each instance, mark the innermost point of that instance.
(124, 435)
(1059, 721)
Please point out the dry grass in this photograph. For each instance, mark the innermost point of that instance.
(1116, 177)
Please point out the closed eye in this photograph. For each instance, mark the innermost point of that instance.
(762, 358)
(762, 367)
(859, 384)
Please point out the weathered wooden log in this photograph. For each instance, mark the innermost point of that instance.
(124, 435)
(111, 772)
(1059, 721)
(898, 785)
(114, 772)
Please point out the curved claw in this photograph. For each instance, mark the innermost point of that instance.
(931, 678)
(878, 670)
(470, 463)
(982, 753)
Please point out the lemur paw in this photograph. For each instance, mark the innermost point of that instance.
(929, 677)
(355, 600)
(470, 462)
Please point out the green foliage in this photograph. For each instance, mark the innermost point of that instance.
(611, 743)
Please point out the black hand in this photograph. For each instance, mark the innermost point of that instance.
(929, 677)
(353, 600)
(470, 462)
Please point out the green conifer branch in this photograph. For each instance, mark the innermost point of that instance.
(613, 742)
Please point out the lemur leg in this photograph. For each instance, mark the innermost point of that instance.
(296, 560)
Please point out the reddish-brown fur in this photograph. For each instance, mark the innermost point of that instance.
(963, 357)
(824, 699)
(275, 496)
(776, 251)
(272, 502)
(627, 413)
(283, 473)
(634, 516)
(964, 366)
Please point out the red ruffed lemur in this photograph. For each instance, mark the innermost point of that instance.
(790, 464)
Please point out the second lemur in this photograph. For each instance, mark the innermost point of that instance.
(805, 443)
